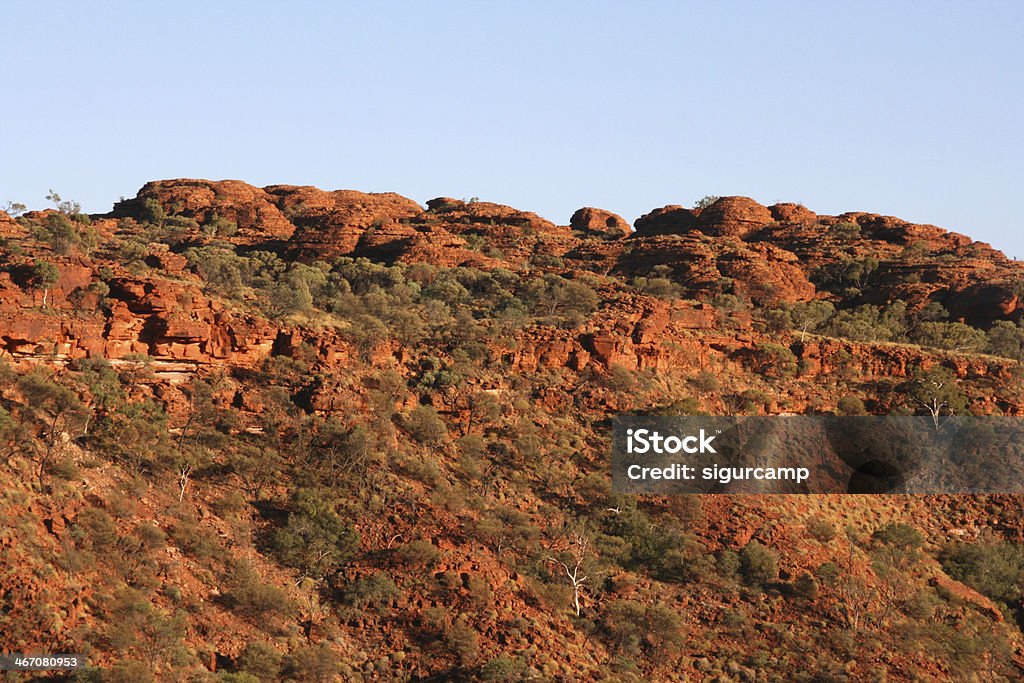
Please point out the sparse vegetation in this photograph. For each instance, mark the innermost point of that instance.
(389, 465)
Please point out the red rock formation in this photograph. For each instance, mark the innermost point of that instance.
(491, 219)
(792, 213)
(253, 210)
(331, 224)
(9, 227)
(600, 222)
(734, 216)
(728, 216)
(668, 220)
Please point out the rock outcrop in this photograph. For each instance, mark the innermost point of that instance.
(726, 217)
(599, 222)
(734, 217)
(331, 224)
(668, 220)
(251, 209)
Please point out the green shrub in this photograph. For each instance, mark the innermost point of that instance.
(995, 569)
(732, 618)
(758, 565)
(313, 663)
(237, 677)
(821, 529)
(851, 405)
(250, 596)
(193, 539)
(686, 561)
(149, 211)
(633, 627)
(805, 586)
(706, 382)
(419, 554)
(502, 669)
(869, 323)
(684, 509)
(845, 230)
(261, 660)
(129, 671)
(425, 426)
(663, 288)
(1006, 339)
(620, 378)
(728, 563)
(314, 539)
(376, 591)
(646, 546)
(480, 593)
(137, 627)
(954, 336)
(462, 642)
(775, 360)
(94, 529)
(902, 536)
(827, 573)
(896, 547)
(216, 226)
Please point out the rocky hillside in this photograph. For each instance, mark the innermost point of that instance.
(285, 433)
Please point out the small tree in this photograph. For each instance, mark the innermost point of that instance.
(953, 336)
(896, 548)
(44, 276)
(935, 390)
(315, 539)
(14, 209)
(424, 425)
(462, 641)
(65, 206)
(53, 412)
(1006, 339)
(706, 201)
(810, 315)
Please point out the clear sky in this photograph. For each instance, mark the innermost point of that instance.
(913, 109)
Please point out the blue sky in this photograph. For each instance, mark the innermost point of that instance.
(906, 108)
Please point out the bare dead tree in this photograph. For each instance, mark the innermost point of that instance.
(571, 563)
(184, 475)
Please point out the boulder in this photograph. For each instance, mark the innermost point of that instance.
(668, 220)
(787, 212)
(599, 221)
(734, 216)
